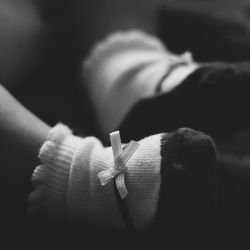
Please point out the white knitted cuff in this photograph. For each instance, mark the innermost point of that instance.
(51, 177)
(125, 67)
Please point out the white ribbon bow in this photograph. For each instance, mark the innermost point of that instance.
(120, 159)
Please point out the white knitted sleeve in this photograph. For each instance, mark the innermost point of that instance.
(125, 68)
(51, 177)
(67, 186)
(66, 183)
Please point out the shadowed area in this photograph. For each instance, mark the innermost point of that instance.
(42, 44)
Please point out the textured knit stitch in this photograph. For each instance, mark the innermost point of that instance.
(67, 185)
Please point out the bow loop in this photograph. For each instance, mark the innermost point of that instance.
(121, 157)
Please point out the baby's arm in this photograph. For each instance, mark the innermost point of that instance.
(22, 134)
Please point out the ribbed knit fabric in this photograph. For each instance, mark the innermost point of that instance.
(51, 177)
(66, 183)
(126, 68)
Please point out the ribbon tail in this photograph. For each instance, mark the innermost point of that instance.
(120, 183)
(105, 177)
(116, 144)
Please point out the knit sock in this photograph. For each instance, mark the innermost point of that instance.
(67, 185)
(128, 67)
(141, 88)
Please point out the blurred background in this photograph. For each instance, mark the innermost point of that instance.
(43, 44)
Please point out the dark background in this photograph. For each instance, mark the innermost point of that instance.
(42, 45)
